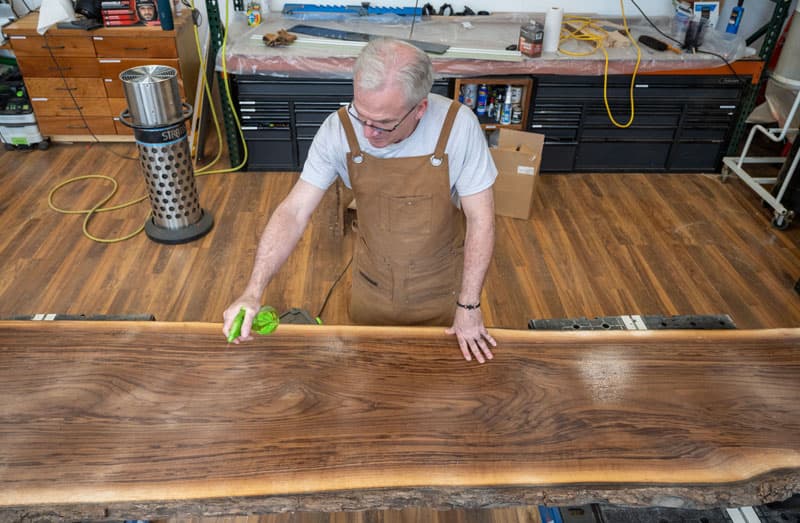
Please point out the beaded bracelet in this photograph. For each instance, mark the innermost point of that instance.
(468, 306)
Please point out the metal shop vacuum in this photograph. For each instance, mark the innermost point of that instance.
(157, 117)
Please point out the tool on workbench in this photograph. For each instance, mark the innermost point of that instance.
(265, 322)
(365, 9)
(351, 36)
(658, 45)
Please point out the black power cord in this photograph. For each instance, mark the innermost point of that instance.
(680, 44)
(330, 291)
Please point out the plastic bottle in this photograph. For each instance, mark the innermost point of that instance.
(483, 94)
(736, 18)
(506, 117)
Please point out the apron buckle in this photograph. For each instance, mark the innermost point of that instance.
(436, 162)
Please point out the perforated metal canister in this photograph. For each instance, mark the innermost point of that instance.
(157, 117)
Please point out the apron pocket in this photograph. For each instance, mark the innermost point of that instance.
(431, 279)
(369, 275)
(406, 214)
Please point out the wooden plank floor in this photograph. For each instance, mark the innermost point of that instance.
(595, 245)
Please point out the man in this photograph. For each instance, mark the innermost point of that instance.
(412, 158)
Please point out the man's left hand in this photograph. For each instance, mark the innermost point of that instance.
(473, 338)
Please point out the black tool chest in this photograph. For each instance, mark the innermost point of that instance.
(682, 123)
(280, 116)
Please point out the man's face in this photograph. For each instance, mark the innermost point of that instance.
(147, 12)
(386, 109)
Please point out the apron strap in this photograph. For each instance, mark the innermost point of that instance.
(444, 136)
(350, 133)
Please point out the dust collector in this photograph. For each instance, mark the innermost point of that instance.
(157, 116)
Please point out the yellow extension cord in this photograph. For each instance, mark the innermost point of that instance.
(202, 171)
(587, 30)
(580, 33)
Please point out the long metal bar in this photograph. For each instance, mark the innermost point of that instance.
(217, 32)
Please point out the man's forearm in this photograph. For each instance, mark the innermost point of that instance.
(478, 248)
(277, 242)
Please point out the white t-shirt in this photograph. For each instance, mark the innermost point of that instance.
(472, 169)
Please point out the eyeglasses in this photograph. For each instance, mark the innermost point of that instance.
(352, 110)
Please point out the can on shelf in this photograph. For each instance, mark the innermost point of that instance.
(469, 95)
(530, 39)
(516, 114)
(483, 95)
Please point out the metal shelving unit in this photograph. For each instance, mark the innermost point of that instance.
(771, 33)
(217, 32)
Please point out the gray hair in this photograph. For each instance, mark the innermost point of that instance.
(385, 61)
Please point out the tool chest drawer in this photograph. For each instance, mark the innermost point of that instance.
(25, 45)
(127, 47)
(681, 122)
(60, 87)
(66, 66)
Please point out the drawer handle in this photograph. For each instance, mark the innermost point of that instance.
(71, 108)
(136, 48)
(77, 127)
(54, 47)
(60, 68)
(66, 88)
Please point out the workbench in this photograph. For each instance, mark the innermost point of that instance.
(686, 105)
(143, 420)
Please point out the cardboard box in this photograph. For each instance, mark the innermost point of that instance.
(517, 156)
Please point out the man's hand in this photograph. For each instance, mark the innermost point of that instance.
(473, 338)
(250, 306)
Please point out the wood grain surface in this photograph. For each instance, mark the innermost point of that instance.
(100, 418)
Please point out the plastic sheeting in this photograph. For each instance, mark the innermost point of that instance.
(322, 58)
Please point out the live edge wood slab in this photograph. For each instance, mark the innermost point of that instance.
(108, 420)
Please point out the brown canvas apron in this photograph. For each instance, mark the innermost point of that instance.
(409, 250)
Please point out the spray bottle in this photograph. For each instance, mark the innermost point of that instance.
(265, 322)
(505, 117)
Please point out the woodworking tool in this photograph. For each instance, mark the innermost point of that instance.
(636, 322)
(360, 10)
(658, 45)
(336, 34)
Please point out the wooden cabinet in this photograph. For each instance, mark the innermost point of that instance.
(523, 86)
(72, 76)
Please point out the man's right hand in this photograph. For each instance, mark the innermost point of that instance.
(250, 306)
